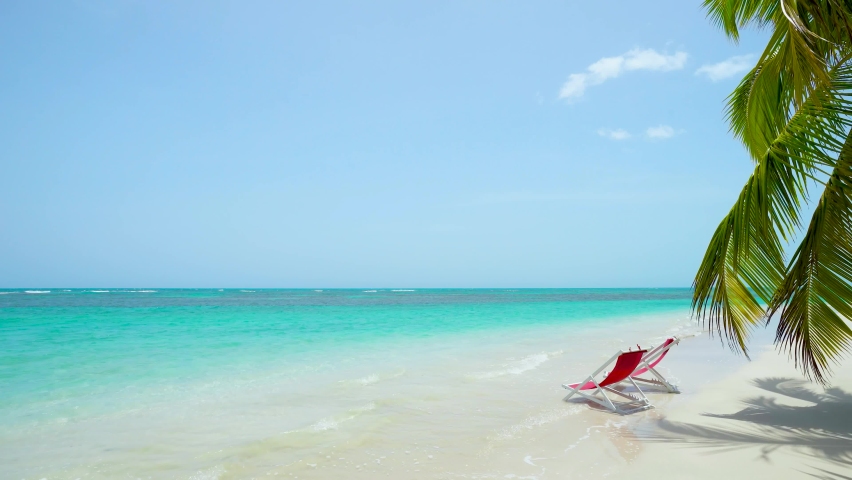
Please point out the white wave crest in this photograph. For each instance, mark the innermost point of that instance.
(325, 424)
(543, 418)
(99, 291)
(364, 408)
(374, 378)
(607, 425)
(520, 366)
(369, 379)
(209, 474)
(247, 291)
(333, 423)
(369, 291)
(36, 291)
(402, 290)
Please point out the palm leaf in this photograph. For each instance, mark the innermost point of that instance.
(815, 297)
(792, 113)
(744, 263)
(822, 19)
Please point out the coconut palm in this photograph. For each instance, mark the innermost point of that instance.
(793, 113)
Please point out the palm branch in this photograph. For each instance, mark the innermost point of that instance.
(815, 297)
(792, 112)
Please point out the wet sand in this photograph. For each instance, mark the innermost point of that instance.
(734, 419)
(492, 409)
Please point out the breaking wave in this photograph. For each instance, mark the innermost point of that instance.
(333, 423)
(519, 366)
(543, 418)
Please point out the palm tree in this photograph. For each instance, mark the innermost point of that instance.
(793, 113)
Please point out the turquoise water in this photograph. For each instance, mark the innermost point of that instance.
(85, 367)
(65, 344)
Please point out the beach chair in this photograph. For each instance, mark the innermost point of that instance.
(625, 364)
(650, 360)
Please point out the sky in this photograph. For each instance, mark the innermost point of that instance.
(332, 144)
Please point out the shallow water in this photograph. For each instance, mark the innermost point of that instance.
(112, 383)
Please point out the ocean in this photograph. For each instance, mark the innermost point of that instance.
(239, 383)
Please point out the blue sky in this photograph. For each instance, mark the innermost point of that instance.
(355, 144)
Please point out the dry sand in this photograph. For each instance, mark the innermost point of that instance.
(761, 420)
(755, 420)
(735, 419)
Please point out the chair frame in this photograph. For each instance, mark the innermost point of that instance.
(655, 354)
(637, 403)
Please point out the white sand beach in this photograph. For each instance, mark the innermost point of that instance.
(733, 419)
(348, 240)
(762, 421)
(480, 407)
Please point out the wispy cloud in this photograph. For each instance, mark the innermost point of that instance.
(612, 67)
(660, 132)
(617, 134)
(727, 68)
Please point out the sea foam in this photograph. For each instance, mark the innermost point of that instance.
(333, 423)
(519, 366)
(539, 420)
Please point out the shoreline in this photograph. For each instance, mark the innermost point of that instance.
(460, 406)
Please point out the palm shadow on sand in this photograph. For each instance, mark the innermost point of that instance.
(822, 430)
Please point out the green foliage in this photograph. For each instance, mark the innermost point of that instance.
(793, 113)
(815, 294)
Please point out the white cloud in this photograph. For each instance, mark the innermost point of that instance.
(611, 67)
(727, 68)
(617, 134)
(660, 132)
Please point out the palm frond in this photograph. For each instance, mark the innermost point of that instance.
(804, 45)
(744, 263)
(815, 297)
(732, 15)
(793, 113)
(782, 83)
(822, 19)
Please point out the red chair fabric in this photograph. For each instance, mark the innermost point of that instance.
(653, 364)
(624, 366)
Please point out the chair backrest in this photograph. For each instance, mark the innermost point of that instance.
(624, 366)
(664, 349)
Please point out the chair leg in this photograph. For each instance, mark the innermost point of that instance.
(644, 398)
(608, 401)
(671, 388)
(576, 390)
